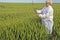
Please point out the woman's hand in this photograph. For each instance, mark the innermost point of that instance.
(37, 15)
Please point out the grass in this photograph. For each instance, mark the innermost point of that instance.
(19, 22)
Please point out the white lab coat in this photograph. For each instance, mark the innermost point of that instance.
(47, 17)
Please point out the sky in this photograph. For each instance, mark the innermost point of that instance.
(29, 1)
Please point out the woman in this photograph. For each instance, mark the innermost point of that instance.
(47, 16)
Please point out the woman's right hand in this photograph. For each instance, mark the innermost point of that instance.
(37, 15)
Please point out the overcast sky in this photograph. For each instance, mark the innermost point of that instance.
(29, 1)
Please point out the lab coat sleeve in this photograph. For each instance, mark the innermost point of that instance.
(38, 11)
(49, 14)
(42, 16)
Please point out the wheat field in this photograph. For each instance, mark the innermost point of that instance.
(18, 21)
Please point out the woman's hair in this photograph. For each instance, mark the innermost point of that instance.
(49, 1)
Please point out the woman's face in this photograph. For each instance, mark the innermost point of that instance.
(47, 4)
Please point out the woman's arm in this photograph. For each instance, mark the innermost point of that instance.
(42, 16)
(49, 14)
(38, 11)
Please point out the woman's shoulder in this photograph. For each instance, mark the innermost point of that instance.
(50, 8)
